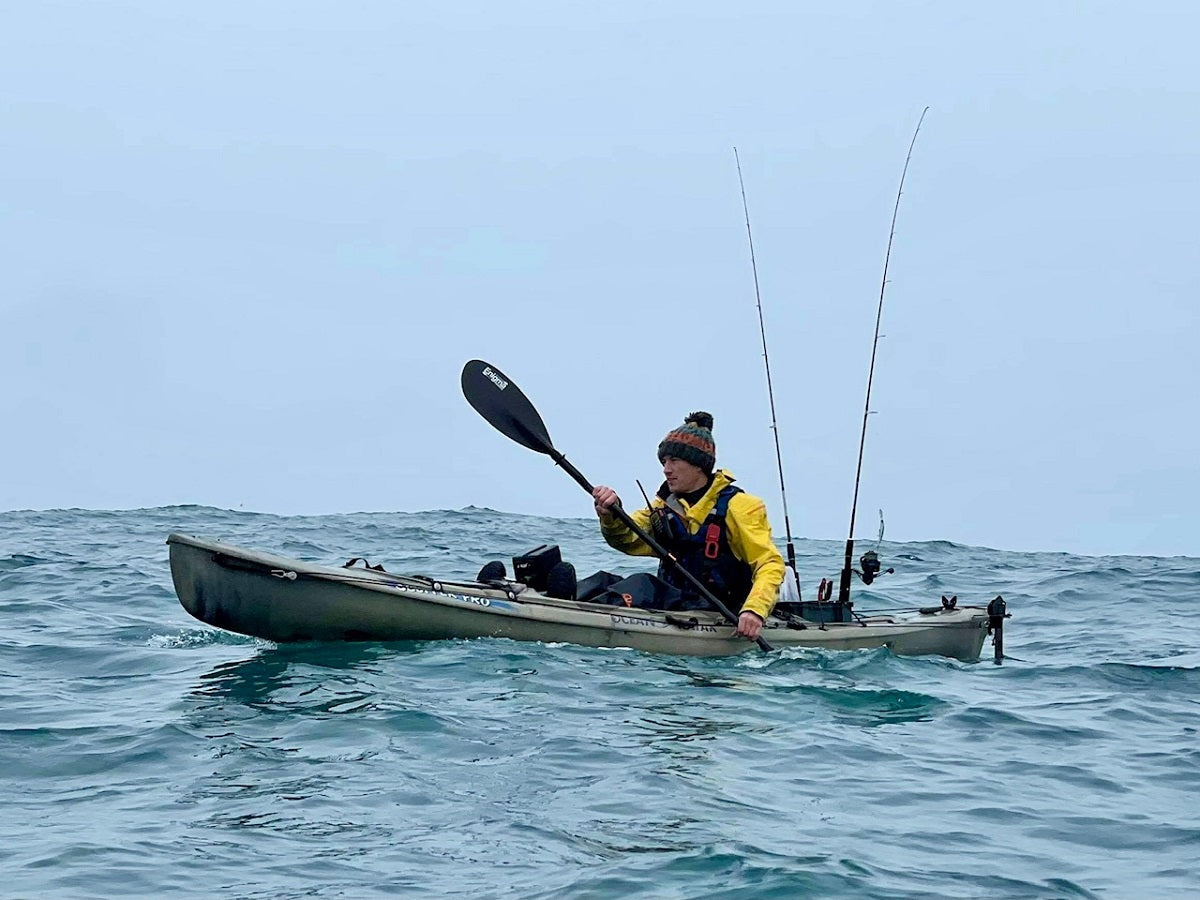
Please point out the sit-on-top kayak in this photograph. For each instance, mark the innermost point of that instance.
(283, 600)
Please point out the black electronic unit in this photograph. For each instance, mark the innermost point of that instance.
(533, 567)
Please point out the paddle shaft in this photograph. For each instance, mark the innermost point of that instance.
(659, 550)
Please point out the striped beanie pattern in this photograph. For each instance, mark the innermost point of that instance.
(692, 442)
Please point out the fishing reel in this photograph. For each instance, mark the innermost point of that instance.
(871, 567)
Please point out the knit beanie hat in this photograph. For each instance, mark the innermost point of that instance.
(692, 442)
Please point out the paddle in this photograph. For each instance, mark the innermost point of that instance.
(501, 403)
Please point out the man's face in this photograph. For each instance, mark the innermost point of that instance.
(682, 476)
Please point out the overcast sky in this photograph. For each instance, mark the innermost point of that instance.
(248, 246)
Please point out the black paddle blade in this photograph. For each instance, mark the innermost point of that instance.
(501, 402)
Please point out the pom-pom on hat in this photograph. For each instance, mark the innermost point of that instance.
(692, 442)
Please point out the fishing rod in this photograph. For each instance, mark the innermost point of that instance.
(847, 568)
(787, 524)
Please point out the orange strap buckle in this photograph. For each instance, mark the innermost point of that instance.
(712, 541)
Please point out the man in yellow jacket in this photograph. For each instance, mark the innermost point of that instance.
(716, 530)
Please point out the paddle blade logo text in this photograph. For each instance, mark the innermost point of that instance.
(495, 379)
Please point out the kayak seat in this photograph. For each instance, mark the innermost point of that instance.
(561, 581)
(492, 571)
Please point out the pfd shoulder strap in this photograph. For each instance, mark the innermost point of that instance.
(715, 522)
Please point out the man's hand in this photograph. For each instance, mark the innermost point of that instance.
(749, 625)
(604, 497)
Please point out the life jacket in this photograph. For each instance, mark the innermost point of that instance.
(705, 554)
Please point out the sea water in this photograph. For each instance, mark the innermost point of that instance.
(144, 754)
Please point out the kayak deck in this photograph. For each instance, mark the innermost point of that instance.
(285, 600)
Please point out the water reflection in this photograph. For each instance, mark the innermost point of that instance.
(779, 691)
(299, 677)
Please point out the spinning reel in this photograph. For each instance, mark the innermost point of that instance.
(871, 567)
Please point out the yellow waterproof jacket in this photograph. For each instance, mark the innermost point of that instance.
(746, 527)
